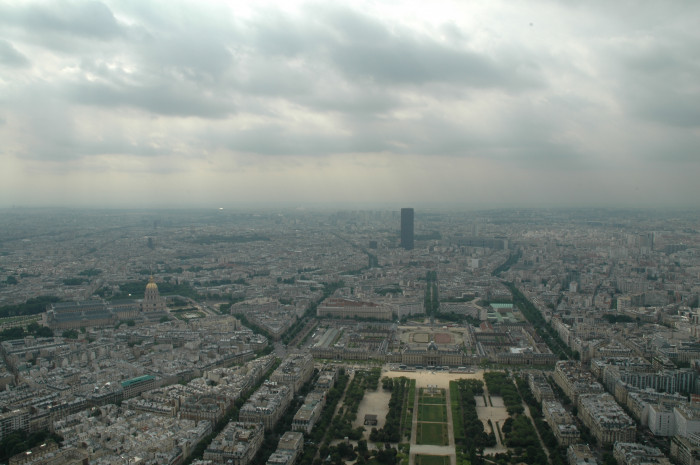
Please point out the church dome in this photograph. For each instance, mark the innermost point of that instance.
(151, 284)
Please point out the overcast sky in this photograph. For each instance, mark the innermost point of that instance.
(495, 103)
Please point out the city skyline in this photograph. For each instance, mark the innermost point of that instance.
(198, 326)
(223, 104)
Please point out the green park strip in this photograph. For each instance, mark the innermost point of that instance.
(431, 400)
(457, 423)
(432, 433)
(407, 423)
(434, 413)
(432, 460)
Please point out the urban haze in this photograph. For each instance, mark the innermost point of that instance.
(293, 336)
(349, 233)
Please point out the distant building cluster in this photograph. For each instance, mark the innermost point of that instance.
(95, 313)
(347, 308)
(608, 299)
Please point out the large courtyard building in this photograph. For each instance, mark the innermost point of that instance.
(101, 313)
(346, 308)
(433, 355)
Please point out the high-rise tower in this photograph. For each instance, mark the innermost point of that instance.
(407, 228)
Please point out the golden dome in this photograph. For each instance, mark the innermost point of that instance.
(151, 284)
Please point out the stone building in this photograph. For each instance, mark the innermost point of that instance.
(346, 308)
(562, 423)
(294, 371)
(289, 448)
(237, 444)
(266, 405)
(432, 355)
(606, 419)
(632, 453)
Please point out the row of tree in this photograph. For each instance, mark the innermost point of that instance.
(19, 441)
(510, 261)
(319, 430)
(328, 290)
(548, 438)
(519, 431)
(392, 430)
(432, 298)
(32, 329)
(32, 306)
(522, 437)
(544, 329)
(474, 437)
(341, 427)
(499, 384)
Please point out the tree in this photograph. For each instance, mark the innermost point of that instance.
(44, 331)
(70, 334)
(362, 449)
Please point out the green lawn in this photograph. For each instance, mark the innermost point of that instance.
(457, 424)
(432, 460)
(432, 400)
(432, 413)
(432, 433)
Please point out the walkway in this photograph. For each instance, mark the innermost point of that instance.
(529, 415)
(337, 407)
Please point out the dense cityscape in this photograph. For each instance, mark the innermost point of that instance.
(385, 337)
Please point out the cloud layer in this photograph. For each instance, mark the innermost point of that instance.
(485, 103)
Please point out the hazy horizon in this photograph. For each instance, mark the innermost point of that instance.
(443, 105)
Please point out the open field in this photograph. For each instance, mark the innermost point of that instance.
(432, 460)
(432, 417)
(428, 412)
(432, 433)
(440, 338)
(431, 400)
(375, 402)
(440, 379)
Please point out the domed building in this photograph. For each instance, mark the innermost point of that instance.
(152, 301)
(431, 355)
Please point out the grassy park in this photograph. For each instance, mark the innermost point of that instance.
(432, 417)
(432, 413)
(432, 460)
(432, 433)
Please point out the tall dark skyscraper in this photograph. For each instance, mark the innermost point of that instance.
(407, 228)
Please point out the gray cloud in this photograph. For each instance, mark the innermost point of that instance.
(363, 47)
(164, 99)
(589, 87)
(88, 19)
(9, 56)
